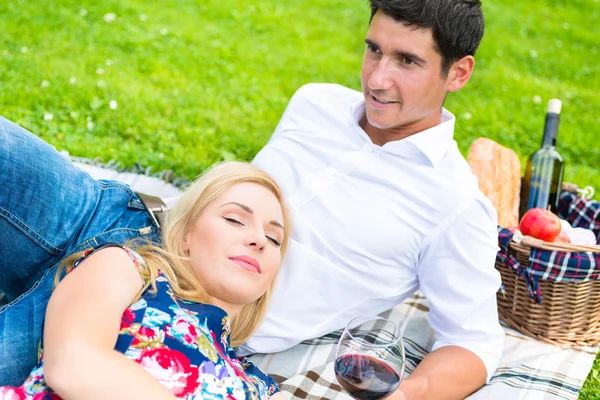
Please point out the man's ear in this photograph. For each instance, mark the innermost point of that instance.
(459, 73)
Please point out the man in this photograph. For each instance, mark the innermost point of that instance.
(382, 201)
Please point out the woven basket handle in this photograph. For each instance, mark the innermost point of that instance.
(529, 241)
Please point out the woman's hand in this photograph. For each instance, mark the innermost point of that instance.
(81, 329)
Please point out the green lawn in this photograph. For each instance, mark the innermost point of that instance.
(199, 81)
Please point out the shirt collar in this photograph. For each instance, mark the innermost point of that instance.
(433, 143)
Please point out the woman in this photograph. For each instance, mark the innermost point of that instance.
(155, 323)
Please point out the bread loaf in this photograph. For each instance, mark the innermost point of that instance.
(498, 171)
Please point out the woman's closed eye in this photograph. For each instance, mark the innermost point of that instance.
(233, 221)
(273, 241)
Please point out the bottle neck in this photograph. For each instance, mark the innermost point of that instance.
(551, 129)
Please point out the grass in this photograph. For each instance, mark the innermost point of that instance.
(199, 81)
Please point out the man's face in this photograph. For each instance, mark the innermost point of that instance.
(401, 77)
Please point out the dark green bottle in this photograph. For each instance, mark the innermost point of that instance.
(544, 171)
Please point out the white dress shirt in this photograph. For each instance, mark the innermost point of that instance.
(372, 224)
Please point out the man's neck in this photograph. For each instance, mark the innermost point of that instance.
(383, 136)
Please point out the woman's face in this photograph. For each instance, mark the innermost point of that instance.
(234, 245)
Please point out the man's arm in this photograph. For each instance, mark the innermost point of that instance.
(449, 372)
(458, 277)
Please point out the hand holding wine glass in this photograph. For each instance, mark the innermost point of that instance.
(370, 361)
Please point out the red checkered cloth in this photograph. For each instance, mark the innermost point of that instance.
(558, 266)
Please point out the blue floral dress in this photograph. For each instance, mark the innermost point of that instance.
(184, 345)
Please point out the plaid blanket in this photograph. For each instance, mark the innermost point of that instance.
(528, 369)
(558, 266)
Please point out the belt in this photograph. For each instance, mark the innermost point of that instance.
(155, 207)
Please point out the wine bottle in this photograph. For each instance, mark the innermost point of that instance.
(544, 171)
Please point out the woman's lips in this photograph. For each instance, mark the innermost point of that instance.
(247, 263)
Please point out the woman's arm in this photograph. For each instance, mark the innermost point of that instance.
(81, 329)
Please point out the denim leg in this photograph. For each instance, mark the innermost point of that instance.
(45, 201)
(20, 331)
(49, 209)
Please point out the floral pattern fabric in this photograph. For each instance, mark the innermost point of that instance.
(184, 345)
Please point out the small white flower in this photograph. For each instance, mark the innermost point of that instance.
(88, 118)
(164, 31)
(559, 44)
(72, 80)
(74, 114)
(533, 53)
(161, 156)
(113, 104)
(24, 49)
(101, 83)
(109, 62)
(83, 12)
(566, 25)
(143, 17)
(48, 117)
(110, 17)
(537, 99)
(45, 83)
(90, 125)
(467, 115)
(100, 71)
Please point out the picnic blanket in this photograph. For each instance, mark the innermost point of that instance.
(529, 369)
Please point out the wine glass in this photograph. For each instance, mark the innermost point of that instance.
(369, 360)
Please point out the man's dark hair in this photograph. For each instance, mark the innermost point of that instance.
(456, 25)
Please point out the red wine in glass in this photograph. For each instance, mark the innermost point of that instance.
(365, 377)
(369, 359)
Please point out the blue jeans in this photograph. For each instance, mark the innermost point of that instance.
(49, 209)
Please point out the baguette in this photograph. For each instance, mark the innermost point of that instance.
(498, 171)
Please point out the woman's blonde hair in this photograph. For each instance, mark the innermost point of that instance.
(171, 259)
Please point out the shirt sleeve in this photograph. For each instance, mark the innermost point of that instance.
(259, 377)
(457, 275)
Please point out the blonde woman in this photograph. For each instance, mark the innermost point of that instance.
(161, 323)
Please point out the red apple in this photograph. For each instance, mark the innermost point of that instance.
(562, 238)
(540, 224)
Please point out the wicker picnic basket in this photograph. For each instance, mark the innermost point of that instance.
(569, 313)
